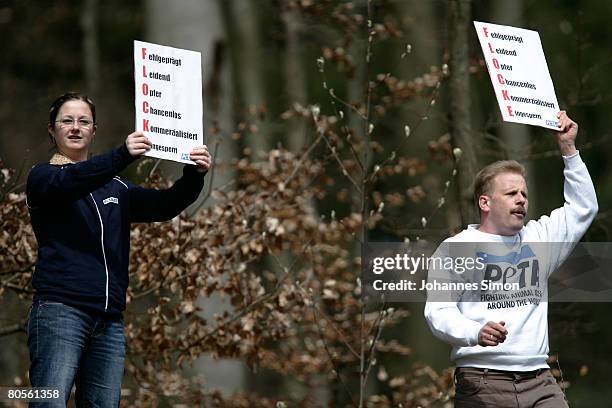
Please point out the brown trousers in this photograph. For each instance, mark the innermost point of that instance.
(484, 388)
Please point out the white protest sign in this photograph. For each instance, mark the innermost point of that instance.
(168, 99)
(520, 77)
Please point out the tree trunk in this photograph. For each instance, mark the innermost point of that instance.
(197, 25)
(249, 78)
(516, 136)
(460, 124)
(294, 78)
(91, 60)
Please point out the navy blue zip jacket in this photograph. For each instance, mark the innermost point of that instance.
(81, 215)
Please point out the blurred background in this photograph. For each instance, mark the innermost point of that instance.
(270, 68)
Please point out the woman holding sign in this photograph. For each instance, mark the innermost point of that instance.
(81, 214)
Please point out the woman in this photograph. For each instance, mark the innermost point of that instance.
(81, 214)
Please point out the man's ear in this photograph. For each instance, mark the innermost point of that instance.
(483, 203)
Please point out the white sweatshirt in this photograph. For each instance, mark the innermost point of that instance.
(526, 346)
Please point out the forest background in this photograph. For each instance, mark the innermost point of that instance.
(332, 123)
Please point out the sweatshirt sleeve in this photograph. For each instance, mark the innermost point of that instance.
(567, 224)
(442, 309)
(48, 184)
(148, 205)
(449, 325)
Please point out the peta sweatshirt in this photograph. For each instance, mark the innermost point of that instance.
(526, 259)
(81, 215)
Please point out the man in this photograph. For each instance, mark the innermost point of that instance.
(500, 340)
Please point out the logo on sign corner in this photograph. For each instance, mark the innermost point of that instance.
(552, 123)
(184, 156)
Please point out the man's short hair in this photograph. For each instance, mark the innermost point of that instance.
(483, 184)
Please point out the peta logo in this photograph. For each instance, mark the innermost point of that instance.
(521, 266)
(184, 156)
(110, 200)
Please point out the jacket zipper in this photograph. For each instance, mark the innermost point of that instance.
(103, 251)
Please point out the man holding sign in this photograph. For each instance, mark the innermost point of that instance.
(501, 347)
(500, 337)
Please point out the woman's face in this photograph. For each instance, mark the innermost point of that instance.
(73, 129)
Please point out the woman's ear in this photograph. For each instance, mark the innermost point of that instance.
(51, 131)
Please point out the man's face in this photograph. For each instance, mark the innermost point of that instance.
(507, 205)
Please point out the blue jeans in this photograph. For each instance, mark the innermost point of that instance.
(67, 345)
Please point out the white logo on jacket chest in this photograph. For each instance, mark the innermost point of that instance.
(110, 200)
